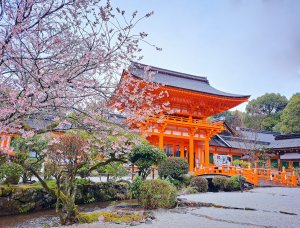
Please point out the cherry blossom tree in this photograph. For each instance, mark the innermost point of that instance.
(65, 57)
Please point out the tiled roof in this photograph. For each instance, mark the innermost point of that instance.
(217, 141)
(178, 80)
(244, 143)
(262, 135)
(286, 141)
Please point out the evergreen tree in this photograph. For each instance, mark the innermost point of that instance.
(290, 118)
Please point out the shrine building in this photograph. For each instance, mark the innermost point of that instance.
(186, 133)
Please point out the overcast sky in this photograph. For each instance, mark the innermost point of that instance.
(244, 47)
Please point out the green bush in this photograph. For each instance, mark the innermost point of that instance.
(83, 181)
(200, 183)
(177, 183)
(219, 182)
(240, 163)
(135, 187)
(233, 183)
(11, 172)
(186, 179)
(157, 194)
(173, 167)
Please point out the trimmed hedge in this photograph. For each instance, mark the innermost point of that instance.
(11, 172)
(219, 182)
(233, 183)
(173, 167)
(157, 194)
(200, 183)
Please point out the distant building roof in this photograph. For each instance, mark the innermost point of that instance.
(218, 141)
(261, 135)
(250, 139)
(286, 141)
(179, 80)
(244, 143)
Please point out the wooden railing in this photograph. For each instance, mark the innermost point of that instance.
(185, 120)
(252, 176)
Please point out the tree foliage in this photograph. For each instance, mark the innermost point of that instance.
(267, 104)
(291, 115)
(114, 170)
(145, 156)
(58, 57)
(263, 113)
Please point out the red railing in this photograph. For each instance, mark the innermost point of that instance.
(285, 177)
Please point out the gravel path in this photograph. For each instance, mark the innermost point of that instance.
(274, 207)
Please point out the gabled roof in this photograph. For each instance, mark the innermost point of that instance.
(178, 80)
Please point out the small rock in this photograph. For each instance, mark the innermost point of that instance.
(148, 222)
(120, 213)
(141, 213)
(134, 224)
(101, 218)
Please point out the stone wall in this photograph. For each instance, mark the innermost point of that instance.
(22, 199)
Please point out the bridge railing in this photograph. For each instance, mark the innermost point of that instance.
(252, 175)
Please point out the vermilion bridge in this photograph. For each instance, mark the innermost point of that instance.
(255, 176)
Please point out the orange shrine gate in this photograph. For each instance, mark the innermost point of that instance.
(186, 133)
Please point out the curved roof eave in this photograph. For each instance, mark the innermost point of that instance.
(179, 80)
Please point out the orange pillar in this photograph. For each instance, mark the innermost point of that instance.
(181, 150)
(201, 156)
(206, 152)
(191, 154)
(161, 141)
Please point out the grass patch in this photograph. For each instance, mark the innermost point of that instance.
(109, 217)
(50, 183)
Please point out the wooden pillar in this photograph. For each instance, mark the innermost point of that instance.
(191, 154)
(161, 141)
(291, 164)
(269, 163)
(181, 150)
(279, 164)
(206, 152)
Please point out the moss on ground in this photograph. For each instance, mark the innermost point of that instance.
(109, 217)
(50, 183)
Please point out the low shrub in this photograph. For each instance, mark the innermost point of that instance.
(189, 190)
(200, 183)
(83, 181)
(177, 183)
(157, 194)
(173, 167)
(11, 172)
(186, 179)
(233, 183)
(219, 182)
(240, 163)
(135, 187)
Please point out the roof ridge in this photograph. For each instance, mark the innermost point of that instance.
(288, 136)
(171, 72)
